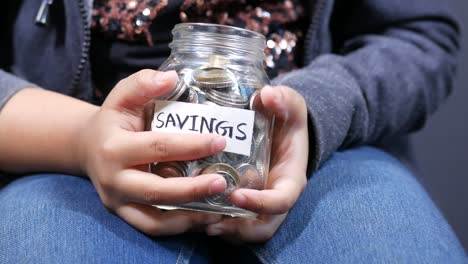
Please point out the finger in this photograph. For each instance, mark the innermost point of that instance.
(147, 188)
(290, 142)
(148, 147)
(285, 103)
(152, 221)
(278, 200)
(237, 230)
(133, 92)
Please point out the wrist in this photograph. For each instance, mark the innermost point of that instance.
(80, 142)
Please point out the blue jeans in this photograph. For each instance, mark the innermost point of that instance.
(362, 206)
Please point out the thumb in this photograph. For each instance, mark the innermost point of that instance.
(133, 92)
(284, 102)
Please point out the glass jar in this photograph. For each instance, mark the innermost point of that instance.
(220, 72)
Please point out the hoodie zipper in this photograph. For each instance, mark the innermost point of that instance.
(317, 12)
(42, 19)
(42, 16)
(84, 56)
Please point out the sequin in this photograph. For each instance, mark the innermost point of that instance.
(146, 12)
(283, 44)
(281, 21)
(269, 61)
(271, 44)
(132, 5)
(126, 20)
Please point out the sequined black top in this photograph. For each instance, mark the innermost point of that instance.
(131, 34)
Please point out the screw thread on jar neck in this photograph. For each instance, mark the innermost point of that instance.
(217, 39)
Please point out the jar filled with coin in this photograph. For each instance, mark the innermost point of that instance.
(220, 72)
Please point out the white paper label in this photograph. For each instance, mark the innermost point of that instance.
(236, 125)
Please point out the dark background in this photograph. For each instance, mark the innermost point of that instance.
(441, 148)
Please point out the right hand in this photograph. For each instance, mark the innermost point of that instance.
(114, 151)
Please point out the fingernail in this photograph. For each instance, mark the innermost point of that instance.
(218, 144)
(276, 98)
(217, 186)
(267, 87)
(163, 77)
(280, 103)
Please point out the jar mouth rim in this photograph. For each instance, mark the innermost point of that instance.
(216, 38)
(220, 27)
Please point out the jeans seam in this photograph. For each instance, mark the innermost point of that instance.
(180, 254)
(191, 253)
(180, 257)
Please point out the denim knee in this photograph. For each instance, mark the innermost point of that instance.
(60, 219)
(363, 206)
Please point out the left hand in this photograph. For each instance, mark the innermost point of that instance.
(287, 178)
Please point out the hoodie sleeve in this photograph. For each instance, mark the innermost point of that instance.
(392, 65)
(10, 85)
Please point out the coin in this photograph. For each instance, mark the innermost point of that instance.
(170, 169)
(232, 181)
(250, 177)
(176, 93)
(226, 99)
(213, 78)
(261, 154)
(212, 74)
(189, 96)
(217, 61)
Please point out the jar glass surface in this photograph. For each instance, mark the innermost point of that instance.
(218, 66)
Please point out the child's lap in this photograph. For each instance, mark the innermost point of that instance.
(361, 206)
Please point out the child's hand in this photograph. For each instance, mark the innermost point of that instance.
(115, 151)
(287, 177)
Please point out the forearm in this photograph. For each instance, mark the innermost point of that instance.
(39, 131)
(387, 75)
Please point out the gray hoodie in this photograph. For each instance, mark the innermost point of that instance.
(375, 69)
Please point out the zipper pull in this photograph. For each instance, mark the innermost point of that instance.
(42, 17)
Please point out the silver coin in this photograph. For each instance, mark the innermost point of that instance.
(189, 96)
(261, 154)
(261, 123)
(226, 99)
(232, 181)
(193, 97)
(259, 139)
(176, 93)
